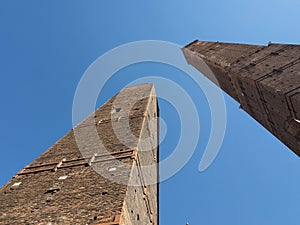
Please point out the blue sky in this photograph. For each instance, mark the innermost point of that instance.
(45, 47)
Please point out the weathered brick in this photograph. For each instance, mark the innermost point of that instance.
(265, 80)
(65, 185)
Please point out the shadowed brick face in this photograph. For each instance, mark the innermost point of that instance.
(65, 186)
(265, 80)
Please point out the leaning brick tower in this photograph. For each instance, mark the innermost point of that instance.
(108, 184)
(265, 80)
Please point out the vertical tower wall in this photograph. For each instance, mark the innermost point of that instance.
(265, 80)
(68, 185)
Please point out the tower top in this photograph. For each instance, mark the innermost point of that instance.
(88, 184)
(265, 80)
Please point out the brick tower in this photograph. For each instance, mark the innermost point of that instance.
(102, 184)
(265, 80)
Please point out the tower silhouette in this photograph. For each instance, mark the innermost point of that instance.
(110, 178)
(265, 80)
(104, 171)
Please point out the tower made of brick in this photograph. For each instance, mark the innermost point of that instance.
(265, 80)
(112, 183)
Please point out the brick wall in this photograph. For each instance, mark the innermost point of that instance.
(66, 186)
(265, 80)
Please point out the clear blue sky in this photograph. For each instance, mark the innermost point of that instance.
(45, 47)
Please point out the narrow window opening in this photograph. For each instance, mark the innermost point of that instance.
(63, 177)
(16, 184)
(52, 190)
(111, 169)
